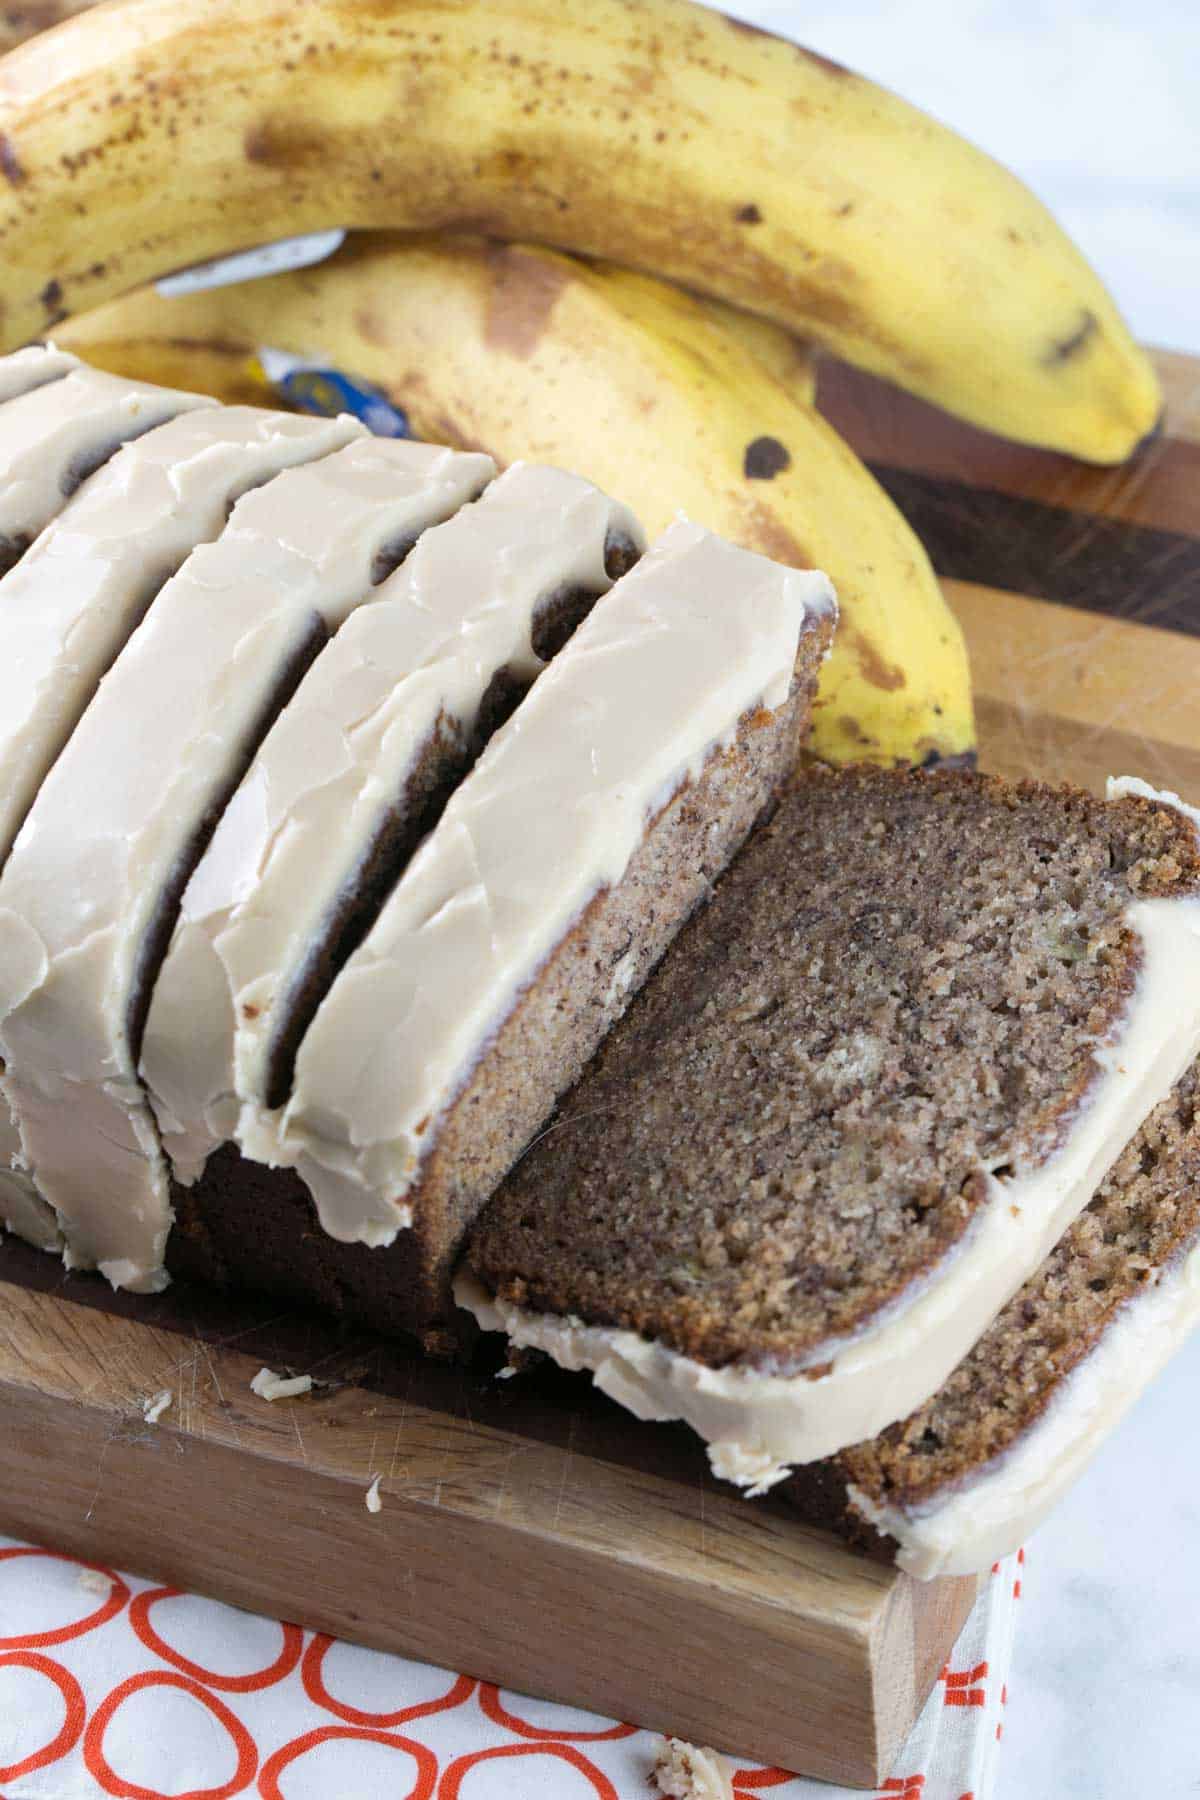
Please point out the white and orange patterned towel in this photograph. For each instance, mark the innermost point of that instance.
(113, 1686)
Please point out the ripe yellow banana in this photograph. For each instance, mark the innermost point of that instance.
(657, 133)
(664, 400)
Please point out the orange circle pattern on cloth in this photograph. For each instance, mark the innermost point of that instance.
(115, 1686)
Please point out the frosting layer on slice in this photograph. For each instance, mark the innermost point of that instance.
(24, 370)
(90, 892)
(81, 588)
(660, 673)
(54, 436)
(968, 1477)
(335, 796)
(995, 1511)
(72, 600)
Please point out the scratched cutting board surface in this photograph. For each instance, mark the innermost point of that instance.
(531, 1533)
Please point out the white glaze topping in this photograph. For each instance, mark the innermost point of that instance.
(460, 609)
(54, 435)
(660, 672)
(22, 1209)
(159, 745)
(71, 602)
(31, 368)
(757, 1423)
(996, 1507)
(22, 727)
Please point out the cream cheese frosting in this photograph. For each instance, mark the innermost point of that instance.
(90, 876)
(33, 367)
(994, 1509)
(22, 1209)
(56, 434)
(419, 658)
(756, 1422)
(71, 602)
(660, 673)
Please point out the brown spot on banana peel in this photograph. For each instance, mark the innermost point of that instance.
(370, 328)
(854, 730)
(763, 531)
(1065, 348)
(639, 78)
(445, 430)
(287, 146)
(884, 675)
(748, 214)
(10, 162)
(765, 458)
(524, 292)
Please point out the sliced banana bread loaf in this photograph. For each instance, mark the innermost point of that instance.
(351, 777)
(90, 890)
(81, 589)
(868, 1090)
(596, 819)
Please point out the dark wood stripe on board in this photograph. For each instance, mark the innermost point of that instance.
(1160, 487)
(1102, 565)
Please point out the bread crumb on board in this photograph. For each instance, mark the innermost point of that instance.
(373, 1503)
(95, 1581)
(155, 1405)
(270, 1386)
(684, 1772)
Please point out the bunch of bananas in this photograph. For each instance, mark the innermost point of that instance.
(650, 135)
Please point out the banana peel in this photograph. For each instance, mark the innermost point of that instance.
(666, 401)
(659, 134)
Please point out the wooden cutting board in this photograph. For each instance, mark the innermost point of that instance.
(529, 1532)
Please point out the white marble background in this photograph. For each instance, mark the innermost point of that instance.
(1096, 104)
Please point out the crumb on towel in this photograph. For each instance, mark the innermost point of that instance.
(684, 1772)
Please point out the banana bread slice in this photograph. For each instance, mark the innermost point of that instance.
(868, 1090)
(966, 1478)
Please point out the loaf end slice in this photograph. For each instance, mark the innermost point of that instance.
(871, 1085)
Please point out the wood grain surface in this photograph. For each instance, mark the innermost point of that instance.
(530, 1532)
(1078, 588)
